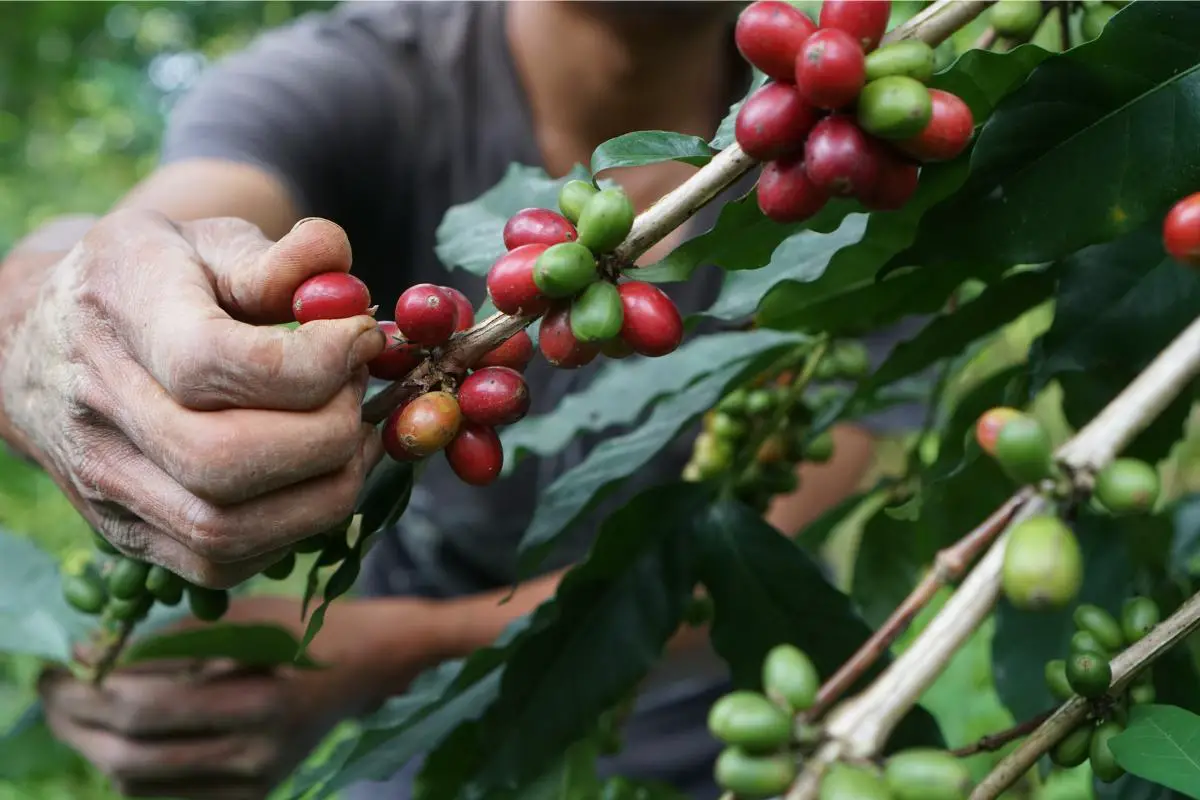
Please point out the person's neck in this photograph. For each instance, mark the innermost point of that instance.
(591, 74)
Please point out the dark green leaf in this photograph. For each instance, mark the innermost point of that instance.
(34, 618)
(29, 751)
(612, 461)
(1161, 744)
(1131, 787)
(572, 777)
(384, 495)
(765, 591)
(623, 391)
(1074, 137)
(254, 645)
(650, 147)
(817, 532)
(957, 448)
(892, 556)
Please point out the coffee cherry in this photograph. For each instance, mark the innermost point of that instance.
(711, 455)
(987, 428)
(840, 159)
(104, 545)
(606, 220)
(910, 57)
(510, 282)
(1104, 763)
(894, 107)
(464, 312)
(127, 580)
(596, 314)
(789, 675)
(165, 586)
(281, 569)
(573, 196)
(1043, 566)
(426, 315)
(422, 427)
(475, 454)
(1089, 674)
(924, 773)
(865, 21)
(747, 719)
(397, 359)
(1024, 450)
(494, 396)
(895, 185)
(760, 402)
(1086, 642)
(129, 610)
(1127, 486)
(754, 777)
(1139, 615)
(734, 403)
(830, 69)
(537, 226)
(651, 325)
(208, 605)
(726, 427)
(1095, 18)
(773, 122)
(1056, 680)
(559, 345)
(1016, 18)
(564, 270)
(330, 295)
(1181, 231)
(851, 782)
(1101, 624)
(948, 132)
(1072, 750)
(515, 353)
(1143, 694)
(616, 347)
(820, 449)
(85, 592)
(786, 193)
(769, 34)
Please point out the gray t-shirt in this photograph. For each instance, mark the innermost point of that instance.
(380, 116)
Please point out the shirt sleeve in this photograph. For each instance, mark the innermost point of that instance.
(307, 102)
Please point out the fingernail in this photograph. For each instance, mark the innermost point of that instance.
(301, 222)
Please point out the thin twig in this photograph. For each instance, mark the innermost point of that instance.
(1064, 22)
(110, 651)
(986, 39)
(996, 741)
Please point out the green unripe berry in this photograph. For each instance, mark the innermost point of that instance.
(1127, 486)
(1056, 680)
(85, 592)
(1086, 642)
(597, 314)
(1139, 615)
(749, 720)
(208, 605)
(712, 456)
(129, 610)
(759, 403)
(820, 449)
(1143, 694)
(851, 782)
(894, 107)
(1072, 750)
(165, 586)
(1100, 624)
(605, 220)
(728, 427)
(1043, 565)
(851, 358)
(127, 580)
(104, 545)
(1016, 18)
(281, 569)
(573, 196)
(734, 403)
(564, 269)
(1089, 674)
(1104, 763)
(911, 58)
(1024, 450)
(927, 774)
(790, 675)
(754, 776)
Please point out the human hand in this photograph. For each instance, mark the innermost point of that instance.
(149, 379)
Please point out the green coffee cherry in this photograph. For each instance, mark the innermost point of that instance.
(605, 220)
(564, 269)
(1024, 450)
(165, 586)
(1072, 750)
(848, 782)
(129, 610)
(725, 426)
(820, 449)
(1056, 680)
(127, 580)
(1043, 566)
(1100, 624)
(1089, 674)
(1086, 642)
(1016, 18)
(281, 569)
(894, 107)
(712, 456)
(104, 545)
(1095, 19)
(754, 776)
(208, 605)
(759, 403)
(851, 358)
(573, 196)
(85, 592)
(734, 403)
(911, 58)
(790, 675)
(1139, 615)
(927, 774)
(1143, 694)
(750, 721)
(1104, 763)
(1127, 486)
(597, 314)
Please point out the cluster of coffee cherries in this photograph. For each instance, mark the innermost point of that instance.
(1086, 672)
(1019, 20)
(841, 116)
(557, 265)
(122, 590)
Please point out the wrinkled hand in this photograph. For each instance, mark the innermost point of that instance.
(150, 380)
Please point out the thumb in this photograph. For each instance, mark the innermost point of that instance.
(255, 278)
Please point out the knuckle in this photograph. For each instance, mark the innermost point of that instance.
(210, 536)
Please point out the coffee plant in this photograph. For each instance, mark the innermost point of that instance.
(963, 161)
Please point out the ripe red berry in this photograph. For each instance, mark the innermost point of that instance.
(786, 193)
(773, 122)
(652, 325)
(476, 455)
(537, 226)
(423, 426)
(865, 20)
(510, 282)
(769, 34)
(516, 353)
(831, 69)
(464, 312)
(557, 341)
(330, 295)
(1181, 231)
(426, 315)
(494, 396)
(398, 358)
(947, 133)
(988, 426)
(896, 183)
(840, 158)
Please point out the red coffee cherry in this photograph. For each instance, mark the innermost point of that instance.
(516, 353)
(840, 158)
(947, 133)
(865, 20)
(557, 341)
(769, 34)
(652, 325)
(537, 226)
(988, 426)
(494, 396)
(773, 122)
(831, 69)
(423, 426)
(426, 315)
(510, 282)
(330, 295)
(786, 193)
(398, 358)
(1181, 231)
(476, 455)
(464, 312)
(896, 183)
